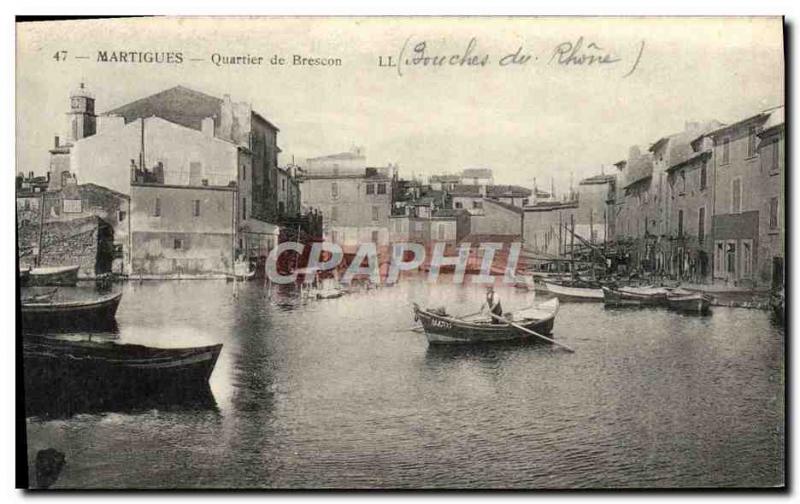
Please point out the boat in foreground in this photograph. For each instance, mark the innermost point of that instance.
(689, 302)
(53, 276)
(635, 296)
(570, 293)
(42, 313)
(59, 373)
(441, 328)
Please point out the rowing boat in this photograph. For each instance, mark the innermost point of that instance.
(46, 314)
(569, 293)
(635, 296)
(53, 275)
(689, 302)
(441, 328)
(60, 373)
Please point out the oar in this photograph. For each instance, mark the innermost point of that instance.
(530, 332)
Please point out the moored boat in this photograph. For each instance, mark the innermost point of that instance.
(42, 313)
(689, 302)
(60, 372)
(441, 328)
(635, 296)
(570, 293)
(53, 276)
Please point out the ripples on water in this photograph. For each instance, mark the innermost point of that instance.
(339, 394)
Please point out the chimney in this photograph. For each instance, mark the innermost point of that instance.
(207, 127)
(56, 141)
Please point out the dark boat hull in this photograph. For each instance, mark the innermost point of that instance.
(617, 298)
(697, 304)
(98, 314)
(446, 330)
(69, 377)
(58, 278)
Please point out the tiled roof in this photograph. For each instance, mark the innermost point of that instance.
(341, 155)
(507, 206)
(466, 190)
(179, 105)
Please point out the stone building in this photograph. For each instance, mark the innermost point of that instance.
(355, 200)
(182, 231)
(101, 244)
(746, 199)
(595, 194)
(181, 137)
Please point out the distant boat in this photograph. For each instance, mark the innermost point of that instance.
(42, 313)
(689, 302)
(635, 296)
(568, 293)
(53, 276)
(111, 373)
(441, 328)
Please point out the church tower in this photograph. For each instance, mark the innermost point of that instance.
(82, 119)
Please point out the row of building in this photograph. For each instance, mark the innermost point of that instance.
(705, 204)
(181, 183)
(187, 183)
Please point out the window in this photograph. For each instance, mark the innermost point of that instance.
(683, 182)
(773, 213)
(680, 222)
(776, 153)
(334, 190)
(244, 172)
(718, 258)
(382, 188)
(157, 209)
(72, 206)
(370, 188)
(244, 208)
(701, 224)
(751, 141)
(177, 244)
(121, 216)
(375, 236)
(459, 204)
(334, 213)
(703, 177)
(736, 197)
(730, 258)
(375, 213)
(726, 150)
(196, 208)
(525, 202)
(283, 184)
(747, 258)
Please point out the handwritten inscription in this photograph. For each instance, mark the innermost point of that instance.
(576, 53)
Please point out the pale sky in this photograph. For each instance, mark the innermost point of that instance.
(534, 120)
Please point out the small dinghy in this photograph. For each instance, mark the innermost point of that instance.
(689, 302)
(441, 328)
(41, 312)
(53, 276)
(565, 292)
(635, 296)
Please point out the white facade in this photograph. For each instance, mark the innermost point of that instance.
(189, 156)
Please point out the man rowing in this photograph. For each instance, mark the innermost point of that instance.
(493, 302)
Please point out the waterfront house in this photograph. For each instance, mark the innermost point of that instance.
(355, 200)
(745, 201)
(179, 138)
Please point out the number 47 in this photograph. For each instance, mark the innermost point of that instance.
(60, 56)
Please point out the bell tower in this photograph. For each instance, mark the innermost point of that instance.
(82, 119)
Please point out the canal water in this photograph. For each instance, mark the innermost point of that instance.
(339, 393)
